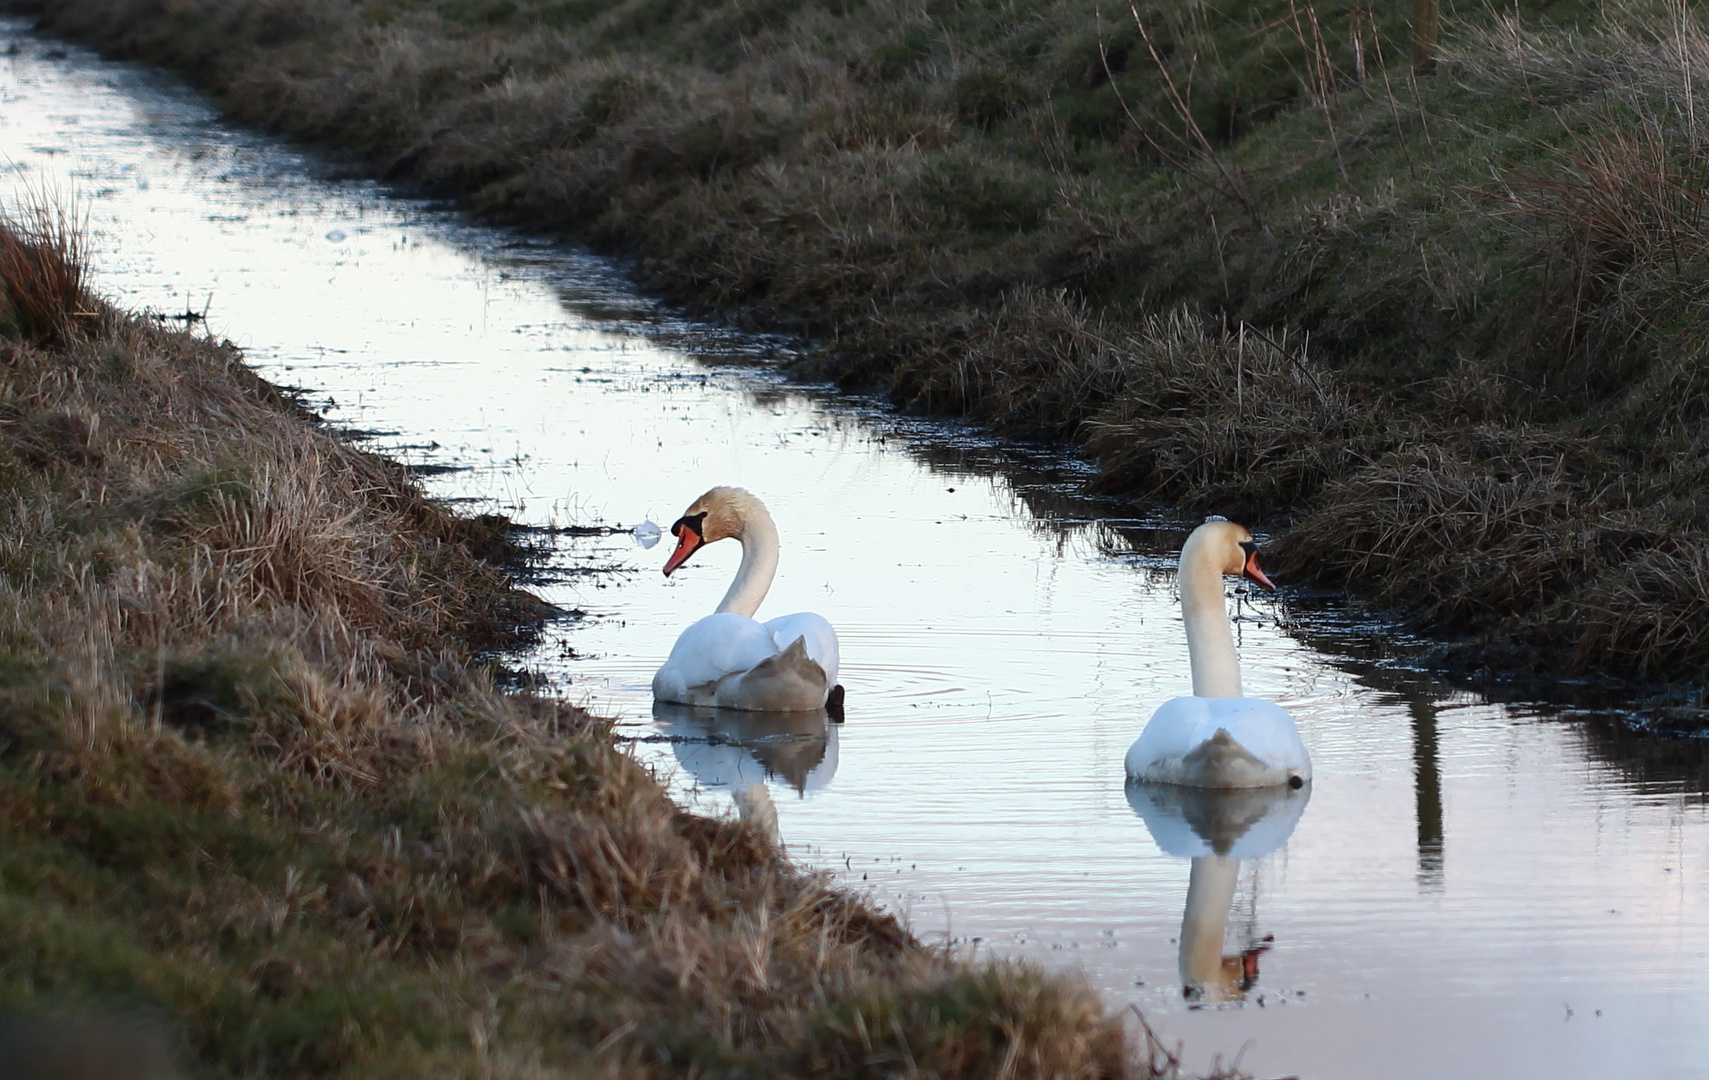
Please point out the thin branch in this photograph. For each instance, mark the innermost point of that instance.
(1234, 185)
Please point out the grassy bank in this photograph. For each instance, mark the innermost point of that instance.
(1445, 334)
(259, 791)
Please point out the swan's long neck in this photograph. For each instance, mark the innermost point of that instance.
(754, 805)
(1210, 642)
(759, 564)
(1210, 895)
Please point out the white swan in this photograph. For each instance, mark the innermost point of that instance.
(1217, 738)
(728, 660)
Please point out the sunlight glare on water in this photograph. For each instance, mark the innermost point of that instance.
(1472, 888)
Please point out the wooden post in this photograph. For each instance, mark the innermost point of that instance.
(1424, 22)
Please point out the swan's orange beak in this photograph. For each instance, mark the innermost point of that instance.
(688, 541)
(1252, 571)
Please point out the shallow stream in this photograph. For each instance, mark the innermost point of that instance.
(1467, 888)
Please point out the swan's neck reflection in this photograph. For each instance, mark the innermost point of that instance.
(754, 805)
(1217, 830)
(1206, 973)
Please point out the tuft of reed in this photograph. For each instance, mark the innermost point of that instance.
(1233, 420)
(43, 291)
(1649, 608)
(1461, 534)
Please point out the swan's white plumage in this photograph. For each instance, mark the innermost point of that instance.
(729, 659)
(815, 631)
(724, 644)
(1218, 738)
(1178, 746)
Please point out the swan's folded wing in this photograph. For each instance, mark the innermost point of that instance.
(1265, 729)
(790, 681)
(816, 632)
(718, 645)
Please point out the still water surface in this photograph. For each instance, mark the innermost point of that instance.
(1472, 888)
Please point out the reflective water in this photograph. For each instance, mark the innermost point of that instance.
(1470, 888)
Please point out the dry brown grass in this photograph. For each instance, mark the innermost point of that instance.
(1624, 216)
(42, 270)
(1490, 525)
(254, 782)
(1228, 419)
(1650, 608)
(1233, 420)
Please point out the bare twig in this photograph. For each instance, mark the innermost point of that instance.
(1233, 184)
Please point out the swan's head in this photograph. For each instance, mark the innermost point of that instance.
(1228, 546)
(720, 513)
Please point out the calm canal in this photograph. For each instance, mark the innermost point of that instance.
(1467, 888)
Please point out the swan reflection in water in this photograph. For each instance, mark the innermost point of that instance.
(741, 751)
(1217, 829)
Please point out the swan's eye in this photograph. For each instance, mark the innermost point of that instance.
(694, 523)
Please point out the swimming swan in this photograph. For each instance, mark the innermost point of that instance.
(1217, 738)
(728, 660)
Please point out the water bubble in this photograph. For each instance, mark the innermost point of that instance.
(336, 236)
(647, 534)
